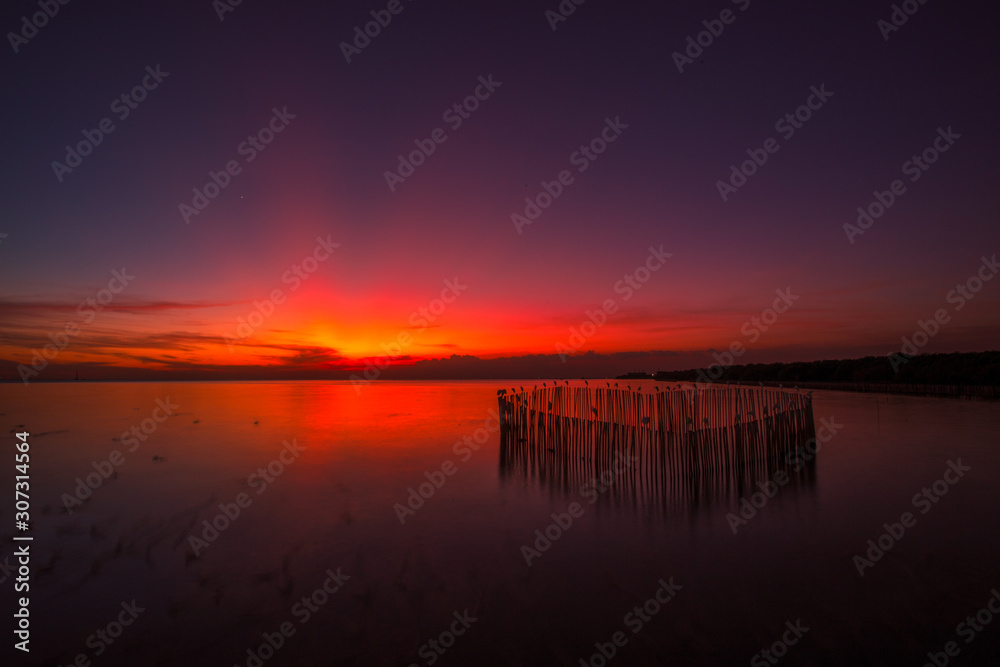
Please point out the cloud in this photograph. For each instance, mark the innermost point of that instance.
(54, 308)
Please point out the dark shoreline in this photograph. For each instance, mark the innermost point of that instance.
(988, 392)
(958, 374)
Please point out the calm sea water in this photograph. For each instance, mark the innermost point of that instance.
(331, 508)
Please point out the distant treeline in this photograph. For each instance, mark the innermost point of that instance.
(959, 368)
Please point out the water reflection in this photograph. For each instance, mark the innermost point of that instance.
(642, 483)
(462, 550)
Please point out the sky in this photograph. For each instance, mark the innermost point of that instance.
(577, 213)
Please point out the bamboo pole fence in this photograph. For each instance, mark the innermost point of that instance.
(680, 440)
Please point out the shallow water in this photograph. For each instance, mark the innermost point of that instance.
(332, 506)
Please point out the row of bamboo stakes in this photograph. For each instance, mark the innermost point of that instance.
(671, 445)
